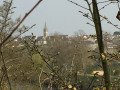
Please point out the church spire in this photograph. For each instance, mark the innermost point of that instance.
(45, 31)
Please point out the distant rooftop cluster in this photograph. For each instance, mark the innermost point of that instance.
(42, 40)
(91, 40)
(116, 33)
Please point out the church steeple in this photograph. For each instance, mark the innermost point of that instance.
(45, 31)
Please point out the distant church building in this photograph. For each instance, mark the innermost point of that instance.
(45, 38)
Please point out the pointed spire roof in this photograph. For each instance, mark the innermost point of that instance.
(45, 28)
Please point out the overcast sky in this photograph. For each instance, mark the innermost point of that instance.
(61, 16)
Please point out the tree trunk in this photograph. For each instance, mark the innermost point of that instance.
(97, 22)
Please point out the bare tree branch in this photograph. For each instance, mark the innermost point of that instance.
(26, 15)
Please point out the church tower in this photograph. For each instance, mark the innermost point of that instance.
(45, 31)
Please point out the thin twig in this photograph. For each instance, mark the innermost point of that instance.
(20, 34)
(78, 5)
(105, 6)
(103, 2)
(91, 81)
(89, 8)
(40, 78)
(4, 66)
(108, 21)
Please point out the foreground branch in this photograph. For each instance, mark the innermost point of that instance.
(26, 15)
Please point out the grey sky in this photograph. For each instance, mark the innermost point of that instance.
(61, 16)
